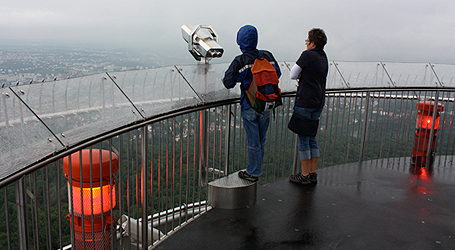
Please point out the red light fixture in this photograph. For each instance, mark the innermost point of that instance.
(91, 196)
(426, 132)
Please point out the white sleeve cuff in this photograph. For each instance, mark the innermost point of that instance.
(295, 72)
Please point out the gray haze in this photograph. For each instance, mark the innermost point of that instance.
(371, 30)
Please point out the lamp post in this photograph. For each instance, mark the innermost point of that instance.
(427, 127)
(91, 197)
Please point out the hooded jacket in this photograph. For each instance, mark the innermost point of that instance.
(239, 70)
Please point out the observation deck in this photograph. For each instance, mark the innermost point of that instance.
(173, 130)
(377, 204)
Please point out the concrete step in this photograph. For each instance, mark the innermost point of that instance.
(231, 192)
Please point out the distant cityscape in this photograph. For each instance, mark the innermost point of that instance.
(26, 64)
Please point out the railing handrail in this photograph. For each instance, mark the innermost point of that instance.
(46, 160)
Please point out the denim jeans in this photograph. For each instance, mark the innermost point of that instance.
(308, 146)
(256, 125)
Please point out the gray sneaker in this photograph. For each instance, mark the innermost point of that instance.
(248, 177)
(313, 177)
(299, 178)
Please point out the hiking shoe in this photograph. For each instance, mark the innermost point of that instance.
(299, 178)
(248, 177)
(313, 177)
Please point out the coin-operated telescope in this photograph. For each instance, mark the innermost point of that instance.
(202, 42)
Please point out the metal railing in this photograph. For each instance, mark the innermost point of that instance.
(166, 160)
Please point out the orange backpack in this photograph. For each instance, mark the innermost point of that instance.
(264, 93)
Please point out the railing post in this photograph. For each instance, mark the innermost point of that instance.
(429, 159)
(203, 178)
(365, 126)
(8, 232)
(22, 214)
(144, 187)
(296, 161)
(227, 141)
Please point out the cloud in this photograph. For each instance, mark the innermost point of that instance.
(369, 31)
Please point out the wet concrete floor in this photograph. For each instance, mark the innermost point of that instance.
(379, 204)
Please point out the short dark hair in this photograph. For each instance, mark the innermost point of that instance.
(318, 37)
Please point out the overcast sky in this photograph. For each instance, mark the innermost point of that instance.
(370, 30)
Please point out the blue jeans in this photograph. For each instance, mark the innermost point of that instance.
(308, 146)
(256, 125)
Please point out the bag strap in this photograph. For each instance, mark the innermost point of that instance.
(252, 56)
(260, 54)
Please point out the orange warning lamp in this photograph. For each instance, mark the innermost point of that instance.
(423, 136)
(93, 197)
(425, 115)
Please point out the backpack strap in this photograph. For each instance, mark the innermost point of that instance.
(252, 56)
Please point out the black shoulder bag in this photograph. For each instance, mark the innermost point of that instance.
(302, 125)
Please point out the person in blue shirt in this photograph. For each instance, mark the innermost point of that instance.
(255, 123)
(311, 71)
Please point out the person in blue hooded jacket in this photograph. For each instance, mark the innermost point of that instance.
(255, 123)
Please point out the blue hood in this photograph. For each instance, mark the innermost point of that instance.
(247, 38)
